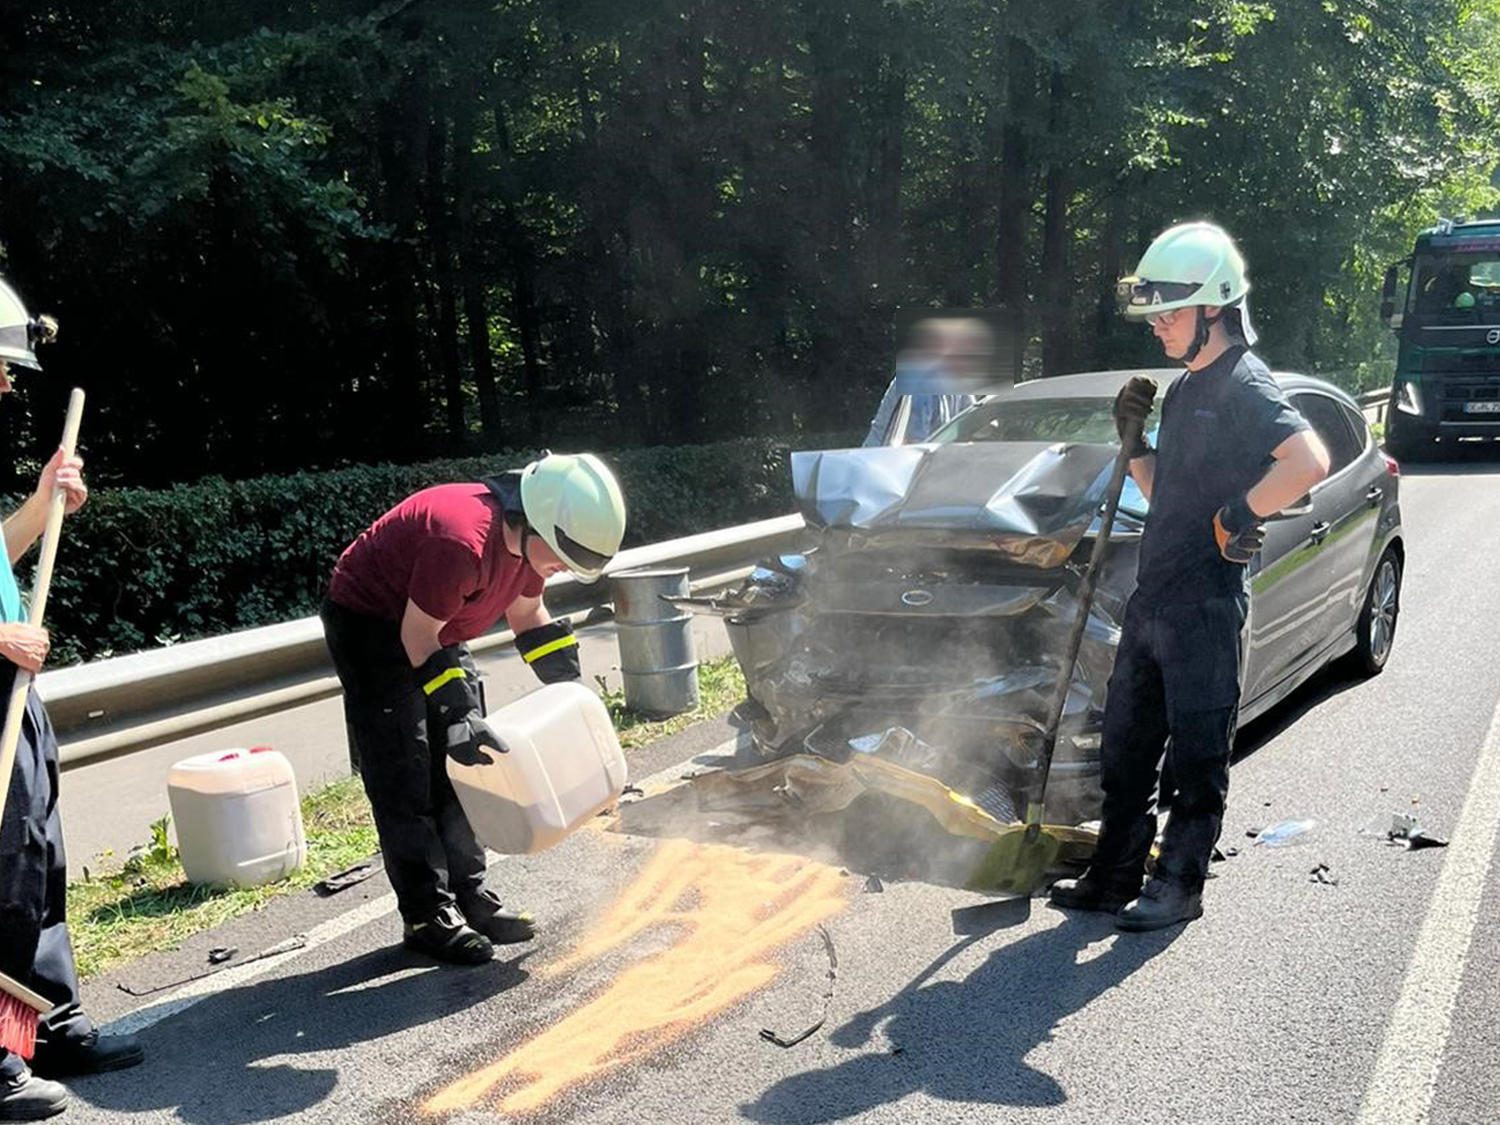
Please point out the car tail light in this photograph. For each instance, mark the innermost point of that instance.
(1392, 466)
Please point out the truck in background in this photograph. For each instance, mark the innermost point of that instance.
(1447, 323)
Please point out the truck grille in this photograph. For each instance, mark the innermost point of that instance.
(1459, 391)
(1461, 363)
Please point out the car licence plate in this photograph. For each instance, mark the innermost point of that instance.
(1482, 408)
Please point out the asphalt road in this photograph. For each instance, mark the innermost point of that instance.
(1372, 1000)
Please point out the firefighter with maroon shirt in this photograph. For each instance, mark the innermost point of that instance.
(439, 569)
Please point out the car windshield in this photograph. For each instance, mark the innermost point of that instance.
(1051, 420)
(1037, 419)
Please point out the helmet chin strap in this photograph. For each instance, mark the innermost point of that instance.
(1200, 335)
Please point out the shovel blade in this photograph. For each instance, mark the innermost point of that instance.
(1016, 863)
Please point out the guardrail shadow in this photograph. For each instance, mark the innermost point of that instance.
(225, 1060)
(966, 1041)
(1463, 459)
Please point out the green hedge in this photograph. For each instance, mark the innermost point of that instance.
(139, 568)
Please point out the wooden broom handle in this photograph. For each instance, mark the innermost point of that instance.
(16, 711)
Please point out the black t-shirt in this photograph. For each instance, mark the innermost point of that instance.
(1219, 427)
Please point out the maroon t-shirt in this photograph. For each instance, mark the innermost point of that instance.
(444, 549)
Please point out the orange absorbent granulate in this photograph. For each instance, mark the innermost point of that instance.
(729, 911)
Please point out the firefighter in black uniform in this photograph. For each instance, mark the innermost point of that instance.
(1232, 452)
(34, 944)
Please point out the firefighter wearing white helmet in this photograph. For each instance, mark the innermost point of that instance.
(36, 950)
(436, 571)
(20, 333)
(1230, 452)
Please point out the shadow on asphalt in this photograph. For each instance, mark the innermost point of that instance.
(231, 1059)
(966, 1041)
(1461, 460)
(1327, 684)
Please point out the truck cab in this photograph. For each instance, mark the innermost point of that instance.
(1447, 323)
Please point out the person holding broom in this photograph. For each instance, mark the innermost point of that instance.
(35, 950)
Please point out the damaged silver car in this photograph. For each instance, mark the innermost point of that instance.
(926, 619)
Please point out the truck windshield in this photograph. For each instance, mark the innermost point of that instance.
(1457, 288)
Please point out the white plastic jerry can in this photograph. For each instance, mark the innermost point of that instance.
(238, 818)
(565, 765)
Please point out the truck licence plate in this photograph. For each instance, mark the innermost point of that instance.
(1482, 408)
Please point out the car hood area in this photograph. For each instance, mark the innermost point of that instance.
(926, 621)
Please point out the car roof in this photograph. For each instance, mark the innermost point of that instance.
(1105, 384)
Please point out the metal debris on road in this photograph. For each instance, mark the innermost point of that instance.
(298, 942)
(1403, 829)
(833, 975)
(343, 880)
(1323, 874)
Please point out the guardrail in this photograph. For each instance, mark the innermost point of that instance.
(1374, 403)
(111, 707)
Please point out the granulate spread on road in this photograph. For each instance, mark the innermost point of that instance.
(730, 911)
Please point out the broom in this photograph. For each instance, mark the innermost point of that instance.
(20, 1007)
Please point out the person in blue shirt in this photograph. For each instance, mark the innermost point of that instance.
(34, 945)
(936, 375)
(1231, 452)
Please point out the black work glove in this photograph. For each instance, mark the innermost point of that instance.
(453, 700)
(1133, 404)
(1239, 532)
(552, 652)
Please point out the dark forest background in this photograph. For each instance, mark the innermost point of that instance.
(291, 235)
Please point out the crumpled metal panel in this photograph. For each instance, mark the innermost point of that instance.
(1033, 501)
(854, 488)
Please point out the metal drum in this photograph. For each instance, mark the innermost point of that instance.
(658, 660)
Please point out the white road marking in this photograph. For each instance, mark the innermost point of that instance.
(1406, 1074)
(174, 1003)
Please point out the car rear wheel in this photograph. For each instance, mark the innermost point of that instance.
(1376, 633)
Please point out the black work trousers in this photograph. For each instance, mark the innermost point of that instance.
(1174, 693)
(431, 855)
(34, 945)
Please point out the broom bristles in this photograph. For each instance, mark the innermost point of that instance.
(18, 1022)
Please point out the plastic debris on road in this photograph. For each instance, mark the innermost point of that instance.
(1323, 874)
(1285, 833)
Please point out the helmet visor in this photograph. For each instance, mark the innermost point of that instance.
(1138, 296)
(15, 346)
(581, 556)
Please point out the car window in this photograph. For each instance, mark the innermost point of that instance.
(1360, 426)
(1038, 419)
(1327, 418)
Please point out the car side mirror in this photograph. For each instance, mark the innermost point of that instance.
(1303, 507)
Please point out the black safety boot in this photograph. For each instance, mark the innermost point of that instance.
(89, 1054)
(1105, 893)
(1162, 903)
(448, 937)
(501, 926)
(26, 1097)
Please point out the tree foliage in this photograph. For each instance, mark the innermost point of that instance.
(282, 235)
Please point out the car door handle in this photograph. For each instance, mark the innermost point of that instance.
(1320, 532)
(1374, 495)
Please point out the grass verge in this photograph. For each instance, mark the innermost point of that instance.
(147, 904)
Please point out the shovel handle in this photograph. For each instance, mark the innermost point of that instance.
(16, 710)
(1085, 605)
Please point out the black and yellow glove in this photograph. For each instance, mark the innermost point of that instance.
(1133, 404)
(552, 652)
(1239, 532)
(453, 700)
